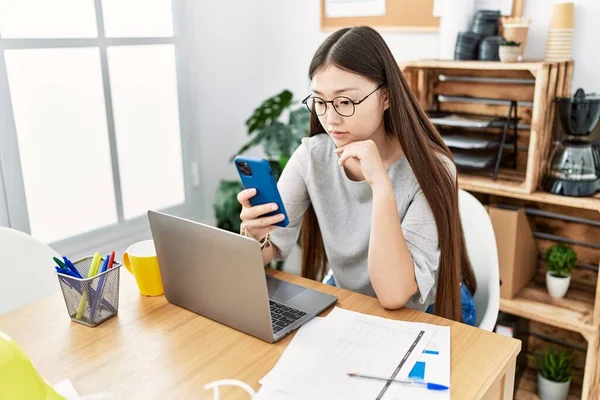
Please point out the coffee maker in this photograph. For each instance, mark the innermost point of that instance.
(574, 168)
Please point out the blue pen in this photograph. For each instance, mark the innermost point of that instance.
(428, 385)
(72, 267)
(105, 265)
(65, 271)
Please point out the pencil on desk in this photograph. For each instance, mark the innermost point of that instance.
(428, 385)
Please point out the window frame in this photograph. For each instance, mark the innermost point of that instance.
(13, 204)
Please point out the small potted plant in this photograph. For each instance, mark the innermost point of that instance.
(554, 373)
(560, 260)
(510, 51)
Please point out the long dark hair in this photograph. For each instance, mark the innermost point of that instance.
(363, 51)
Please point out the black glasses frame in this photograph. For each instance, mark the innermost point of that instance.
(354, 103)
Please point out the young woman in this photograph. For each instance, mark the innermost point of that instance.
(373, 187)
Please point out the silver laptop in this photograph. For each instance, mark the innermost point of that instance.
(220, 275)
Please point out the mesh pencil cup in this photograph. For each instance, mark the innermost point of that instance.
(91, 301)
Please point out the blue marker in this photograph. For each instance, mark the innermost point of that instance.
(95, 303)
(72, 267)
(428, 385)
(105, 265)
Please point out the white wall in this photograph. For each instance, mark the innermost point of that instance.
(227, 74)
(292, 34)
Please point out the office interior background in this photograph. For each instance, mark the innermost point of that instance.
(107, 116)
(109, 108)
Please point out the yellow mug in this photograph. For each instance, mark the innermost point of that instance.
(140, 259)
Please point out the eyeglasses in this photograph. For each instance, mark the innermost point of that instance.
(341, 104)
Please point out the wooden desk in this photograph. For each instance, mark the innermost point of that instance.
(154, 349)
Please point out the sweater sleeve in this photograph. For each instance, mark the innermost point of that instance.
(294, 194)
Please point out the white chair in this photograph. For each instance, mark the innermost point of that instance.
(26, 270)
(481, 248)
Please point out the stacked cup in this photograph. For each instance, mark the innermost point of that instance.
(560, 34)
(515, 29)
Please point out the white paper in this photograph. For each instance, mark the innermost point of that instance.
(318, 359)
(438, 6)
(269, 393)
(505, 6)
(66, 389)
(437, 369)
(354, 8)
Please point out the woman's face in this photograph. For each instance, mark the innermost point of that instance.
(367, 120)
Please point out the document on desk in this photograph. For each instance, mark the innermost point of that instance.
(433, 366)
(318, 359)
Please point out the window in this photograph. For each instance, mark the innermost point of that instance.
(92, 124)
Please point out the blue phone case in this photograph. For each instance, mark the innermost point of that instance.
(262, 179)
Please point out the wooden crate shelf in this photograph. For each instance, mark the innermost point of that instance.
(533, 302)
(533, 66)
(579, 311)
(510, 189)
(533, 85)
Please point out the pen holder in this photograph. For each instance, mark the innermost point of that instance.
(91, 301)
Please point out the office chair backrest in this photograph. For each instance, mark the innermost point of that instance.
(482, 250)
(26, 270)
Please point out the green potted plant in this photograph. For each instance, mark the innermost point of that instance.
(277, 138)
(510, 51)
(278, 125)
(554, 373)
(560, 260)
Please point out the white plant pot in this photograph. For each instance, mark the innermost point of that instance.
(509, 53)
(557, 287)
(550, 390)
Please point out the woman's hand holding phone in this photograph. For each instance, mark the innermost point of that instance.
(253, 219)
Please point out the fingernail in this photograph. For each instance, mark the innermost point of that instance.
(274, 207)
(252, 190)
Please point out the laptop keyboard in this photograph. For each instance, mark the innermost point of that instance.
(282, 316)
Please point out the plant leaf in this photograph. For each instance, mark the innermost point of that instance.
(256, 140)
(226, 207)
(554, 365)
(560, 259)
(275, 139)
(269, 111)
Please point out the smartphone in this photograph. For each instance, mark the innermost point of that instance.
(256, 173)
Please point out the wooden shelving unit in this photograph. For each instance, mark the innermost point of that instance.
(488, 89)
(506, 189)
(534, 85)
(533, 302)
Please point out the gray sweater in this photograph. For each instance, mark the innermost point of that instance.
(343, 209)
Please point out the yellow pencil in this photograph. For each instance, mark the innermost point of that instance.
(92, 272)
